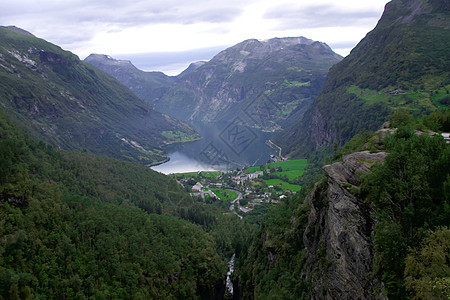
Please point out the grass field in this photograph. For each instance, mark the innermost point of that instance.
(206, 174)
(187, 175)
(225, 195)
(211, 174)
(409, 99)
(291, 168)
(284, 185)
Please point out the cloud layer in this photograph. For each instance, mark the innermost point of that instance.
(142, 26)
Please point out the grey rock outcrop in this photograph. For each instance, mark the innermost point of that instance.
(339, 231)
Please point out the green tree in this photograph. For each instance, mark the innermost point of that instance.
(400, 117)
(410, 193)
(427, 272)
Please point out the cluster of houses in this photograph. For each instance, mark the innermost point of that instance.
(203, 187)
(199, 190)
(242, 177)
(257, 198)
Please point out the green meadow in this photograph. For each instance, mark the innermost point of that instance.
(284, 185)
(292, 169)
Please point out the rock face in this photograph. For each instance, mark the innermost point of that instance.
(339, 231)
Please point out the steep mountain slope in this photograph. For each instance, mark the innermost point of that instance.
(267, 83)
(402, 64)
(73, 105)
(149, 86)
(77, 225)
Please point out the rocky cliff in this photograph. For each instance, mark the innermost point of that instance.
(338, 235)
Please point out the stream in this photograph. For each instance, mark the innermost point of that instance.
(229, 283)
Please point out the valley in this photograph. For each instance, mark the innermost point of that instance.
(247, 188)
(222, 147)
(277, 169)
(267, 84)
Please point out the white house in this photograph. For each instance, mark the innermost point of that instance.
(255, 175)
(198, 187)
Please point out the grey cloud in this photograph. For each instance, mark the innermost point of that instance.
(77, 21)
(127, 12)
(217, 15)
(317, 16)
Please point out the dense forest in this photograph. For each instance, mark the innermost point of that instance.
(76, 225)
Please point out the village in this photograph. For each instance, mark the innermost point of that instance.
(247, 189)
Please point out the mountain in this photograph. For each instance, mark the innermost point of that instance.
(72, 105)
(78, 225)
(267, 83)
(373, 226)
(192, 67)
(402, 63)
(149, 86)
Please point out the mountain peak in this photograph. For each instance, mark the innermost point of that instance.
(106, 59)
(288, 41)
(18, 30)
(258, 49)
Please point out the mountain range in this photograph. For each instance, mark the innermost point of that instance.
(269, 82)
(72, 105)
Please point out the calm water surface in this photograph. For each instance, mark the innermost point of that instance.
(223, 147)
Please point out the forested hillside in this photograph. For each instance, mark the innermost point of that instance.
(76, 225)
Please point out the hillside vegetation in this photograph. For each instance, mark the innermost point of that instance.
(74, 106)
(76, 225)
(401, 64)
(405, 201)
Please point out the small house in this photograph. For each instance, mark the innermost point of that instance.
(198, 187)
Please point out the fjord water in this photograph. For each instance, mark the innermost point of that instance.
(222, 147)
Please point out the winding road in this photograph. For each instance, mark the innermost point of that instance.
(232, 204)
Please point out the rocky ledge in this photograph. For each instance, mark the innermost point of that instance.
(340, 227)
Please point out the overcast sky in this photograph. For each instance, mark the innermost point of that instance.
(168, 34)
